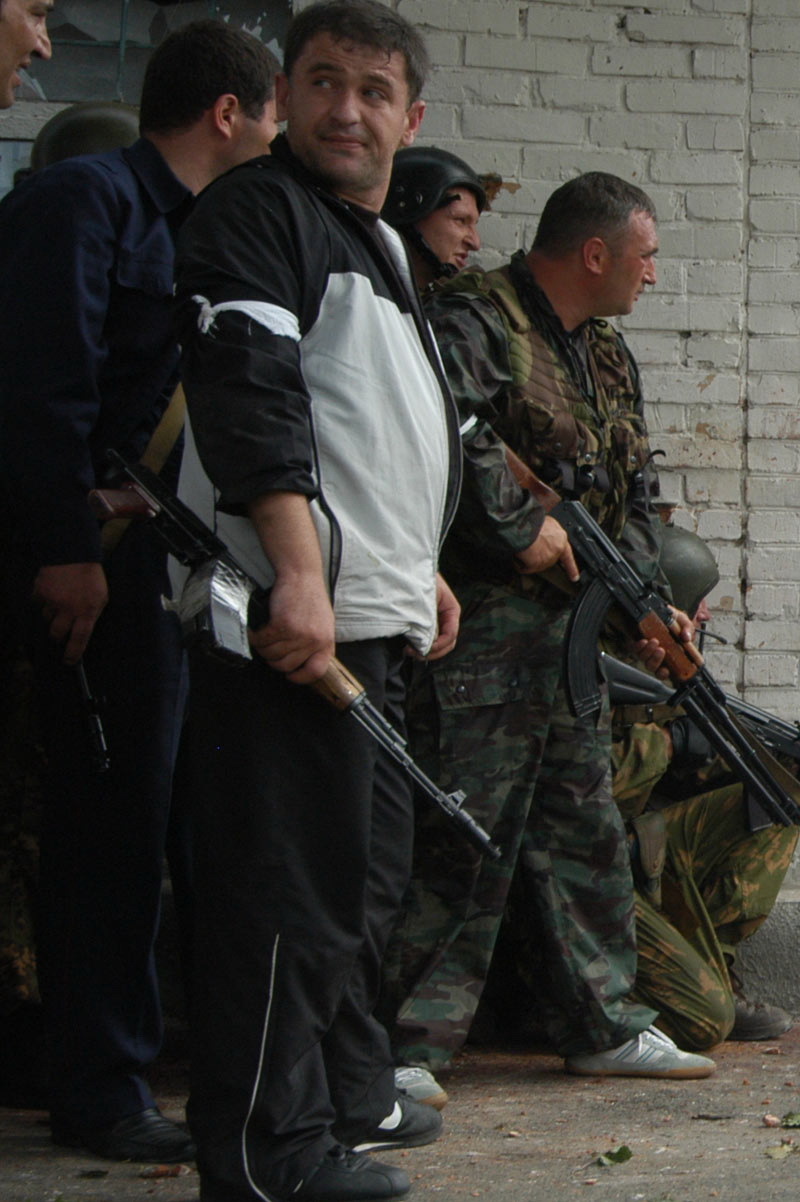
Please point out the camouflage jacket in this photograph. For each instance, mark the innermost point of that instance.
(564, 402)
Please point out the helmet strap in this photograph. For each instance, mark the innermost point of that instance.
(427, 254)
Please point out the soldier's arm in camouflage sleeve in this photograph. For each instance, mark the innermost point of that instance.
(497, 514)
(640, 756)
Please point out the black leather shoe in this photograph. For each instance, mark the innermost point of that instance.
(344, 1176)
(23, 1072)
(341, 1176)
(146, 1136)
(415, 1125)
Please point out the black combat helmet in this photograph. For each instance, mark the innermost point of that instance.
(421, 178)
(85, 128)
(689, 567)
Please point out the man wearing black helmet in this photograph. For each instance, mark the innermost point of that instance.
(435, 200)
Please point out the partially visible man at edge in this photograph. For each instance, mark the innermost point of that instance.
(23, 36)
(330, 455)
(90, 363)
(530, 363)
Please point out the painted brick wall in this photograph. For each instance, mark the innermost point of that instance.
(698, 102)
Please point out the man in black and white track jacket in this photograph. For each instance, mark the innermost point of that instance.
(325, 450)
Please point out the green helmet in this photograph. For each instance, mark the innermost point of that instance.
(421, 177)
(85, 128)
(689, 567)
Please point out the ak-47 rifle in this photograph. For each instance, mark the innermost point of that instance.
(607, 580)
(628, 685)
(220, 599)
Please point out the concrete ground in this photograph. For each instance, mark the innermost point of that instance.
(517, 1129)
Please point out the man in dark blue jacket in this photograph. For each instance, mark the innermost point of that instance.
(90, 363)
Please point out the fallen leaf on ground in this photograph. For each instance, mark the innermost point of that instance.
(615, 1155)
(166, 1170)
(780, 1151)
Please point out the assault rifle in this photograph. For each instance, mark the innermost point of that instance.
(220, 599)
(628, 685)
(607, 580)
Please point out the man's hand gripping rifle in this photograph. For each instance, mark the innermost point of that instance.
(630, 686)
(608, 580)
(219, 600)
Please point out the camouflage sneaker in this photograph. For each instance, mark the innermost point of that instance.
(420, 1085)
(758, 1020)
(650, 1054)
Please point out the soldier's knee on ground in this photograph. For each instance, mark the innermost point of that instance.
(703, 1030)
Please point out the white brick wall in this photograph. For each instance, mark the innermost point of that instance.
(698, 102)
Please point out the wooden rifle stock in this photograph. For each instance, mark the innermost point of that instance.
(526, 478)
(195, 545)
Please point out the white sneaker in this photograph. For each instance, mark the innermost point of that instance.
(649, 1054)
(420, 1085)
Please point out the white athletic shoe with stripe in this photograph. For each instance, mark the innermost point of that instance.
(649, 1054)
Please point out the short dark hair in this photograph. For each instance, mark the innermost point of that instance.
(195, 65)
(365, 23)
(595, 205)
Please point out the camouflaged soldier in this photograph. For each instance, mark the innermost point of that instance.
(704, 880)
(533, 366)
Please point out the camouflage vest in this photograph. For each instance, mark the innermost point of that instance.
(549, 421)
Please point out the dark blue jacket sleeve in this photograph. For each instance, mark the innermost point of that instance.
(57, 239)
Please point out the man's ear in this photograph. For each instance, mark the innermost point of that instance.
(281, 95)
(414, 117)
(224, 113)
(596, 255)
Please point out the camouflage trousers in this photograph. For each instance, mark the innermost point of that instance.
(492, 719)
(719, 883)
